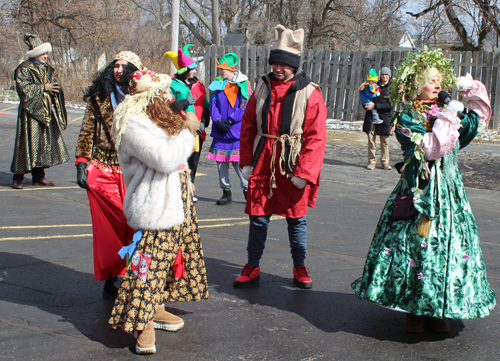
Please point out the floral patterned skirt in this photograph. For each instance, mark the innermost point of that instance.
(153, 281)
(223, 150)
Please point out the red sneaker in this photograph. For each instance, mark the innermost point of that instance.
(301, 277)
(249, 275)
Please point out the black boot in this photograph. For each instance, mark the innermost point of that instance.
(226, 198)
(110, 290)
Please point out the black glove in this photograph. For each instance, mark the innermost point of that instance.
(81, 175)
(223, 127)
(201, 128)
(185, 103)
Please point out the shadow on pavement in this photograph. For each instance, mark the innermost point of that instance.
(328, 311)
(74, 296)
(6, 179)
(339, 162)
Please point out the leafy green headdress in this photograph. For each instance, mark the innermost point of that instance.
(414, 73)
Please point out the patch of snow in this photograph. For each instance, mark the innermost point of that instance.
(76, 105)
(489, 135)
(344, 125)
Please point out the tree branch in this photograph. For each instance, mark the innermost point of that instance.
(457, 25)
(422, 13)
(185, 20)
(154, 13)
(200, 15)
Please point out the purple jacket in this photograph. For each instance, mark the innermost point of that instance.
(220, 109)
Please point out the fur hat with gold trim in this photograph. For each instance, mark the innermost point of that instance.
(36, 45)
(287, 46)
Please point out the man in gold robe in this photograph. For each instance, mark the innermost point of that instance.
(42, 116)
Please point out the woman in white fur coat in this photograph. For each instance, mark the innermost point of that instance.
(167, 264)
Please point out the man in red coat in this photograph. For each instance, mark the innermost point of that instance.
(283, 138)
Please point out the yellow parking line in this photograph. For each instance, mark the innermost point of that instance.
(9, 108)
(90, 235)
(36, 189)
(223, 225)
(74, 120)
(43, 237)
(273, 218)
(222, 219)
(47, 226)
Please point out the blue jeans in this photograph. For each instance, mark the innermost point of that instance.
(297, 235)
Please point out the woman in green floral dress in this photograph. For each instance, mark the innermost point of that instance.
(430, 264)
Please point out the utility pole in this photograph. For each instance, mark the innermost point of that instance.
(215, 23)
(174, 42)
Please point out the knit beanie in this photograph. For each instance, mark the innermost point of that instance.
(385, 70)
(228, 62)
(35, 44)
(372, 75)
(287, 46)
(182, 60)
(131, 58)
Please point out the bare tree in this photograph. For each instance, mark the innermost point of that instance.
(353, 25)
(216, 23)
(471, 20)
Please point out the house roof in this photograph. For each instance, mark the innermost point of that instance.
(234, 39)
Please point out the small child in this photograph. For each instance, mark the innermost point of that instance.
(368, 91)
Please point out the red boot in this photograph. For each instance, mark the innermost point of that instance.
(301, 277)
(249, 275)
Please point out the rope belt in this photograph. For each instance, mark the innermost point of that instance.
(294, 141)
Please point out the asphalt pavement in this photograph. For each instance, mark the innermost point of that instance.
(51, 308)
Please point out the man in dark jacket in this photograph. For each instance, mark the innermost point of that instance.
(385, 111)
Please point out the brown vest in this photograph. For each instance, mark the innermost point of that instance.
(298, 111)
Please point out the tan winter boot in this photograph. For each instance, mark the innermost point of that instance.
(146, 340)
(164, 320)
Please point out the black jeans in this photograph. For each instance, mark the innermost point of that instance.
(36, 175)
